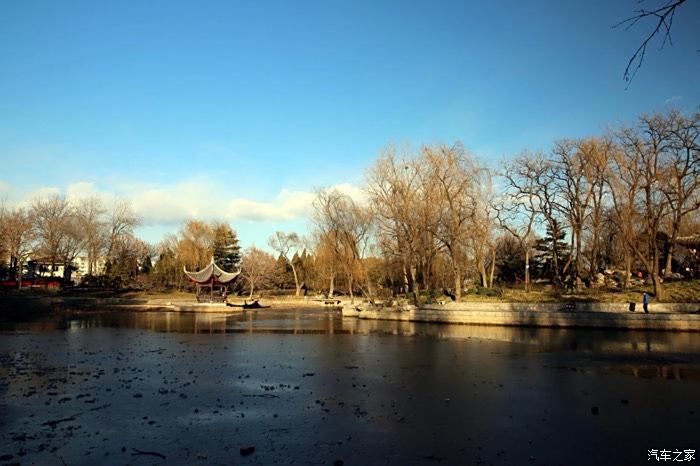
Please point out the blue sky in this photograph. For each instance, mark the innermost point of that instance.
(238, 110)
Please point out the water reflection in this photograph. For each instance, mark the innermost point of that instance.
(329, 322)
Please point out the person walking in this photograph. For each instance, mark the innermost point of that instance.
(645, 302)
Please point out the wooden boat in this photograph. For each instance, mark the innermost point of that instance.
(246, 305)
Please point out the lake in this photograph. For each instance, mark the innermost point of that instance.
(307, 386)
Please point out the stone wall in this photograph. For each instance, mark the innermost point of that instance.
(541, 315)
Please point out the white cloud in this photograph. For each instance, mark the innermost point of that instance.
(287, 205)
(44, 191)
(356, 193)
(82, 190)
(198, 197)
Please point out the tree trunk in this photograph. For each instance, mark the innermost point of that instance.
(18, 274)
(405, 280)
(628, 269)
(250, 296)
(352, 296)
(458, 282)
(414, 283)
(658, 287)
(527, 271)
(555, 256)
(296, 280)
(577, 263)
(331, 286)
(370, 293)
(669, 260)
(653, 268)
(493, 267)
(594, 259)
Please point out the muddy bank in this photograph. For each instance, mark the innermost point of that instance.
(20, 306)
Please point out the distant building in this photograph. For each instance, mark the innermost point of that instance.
(81, 265)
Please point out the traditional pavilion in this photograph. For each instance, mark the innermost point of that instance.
(209, 277)
(691, 242)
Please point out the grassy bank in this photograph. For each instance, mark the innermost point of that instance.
(676, 292)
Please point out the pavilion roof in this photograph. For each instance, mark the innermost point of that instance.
(211, 271)
(692, 241)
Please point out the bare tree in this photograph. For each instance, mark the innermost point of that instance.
(122, 221)
(517, 209)
(597, 153)
(530, 178)
(680, 182)
(284, 243)
(625, 182)
(451, 182)
(258, 268)
(578, 168)
(395, 192)
(52, 216)
(636, 181)
(92, 222)
(346, 227)
(17, 234)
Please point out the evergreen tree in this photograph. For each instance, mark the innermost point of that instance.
(284, 278)
(510, 260)
(299, 262)
(225, 248)
(146, 264)
(543, 263)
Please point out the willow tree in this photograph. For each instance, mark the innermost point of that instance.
(326, 263)
(345, 227)
(194, 244)
(451, 179)
(399, 203)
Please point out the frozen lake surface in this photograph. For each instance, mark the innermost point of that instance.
(310, 387)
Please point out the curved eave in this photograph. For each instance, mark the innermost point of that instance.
(225, 277)
(211, 272)
(692, 242)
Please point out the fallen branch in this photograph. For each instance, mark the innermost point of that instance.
(97, 408)
(149, 453)
(56, 422)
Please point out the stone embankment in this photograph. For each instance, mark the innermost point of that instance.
(662, 316)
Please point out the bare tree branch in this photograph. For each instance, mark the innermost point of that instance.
(664, 22)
